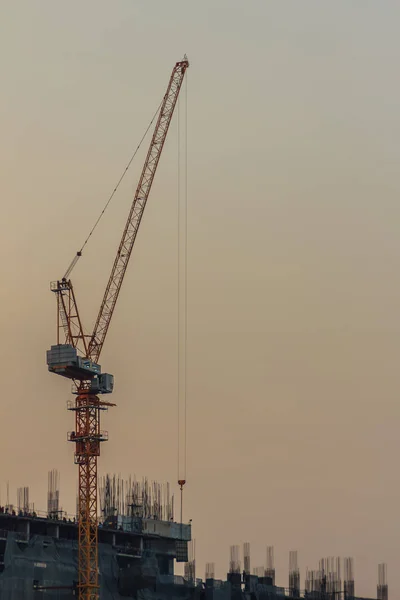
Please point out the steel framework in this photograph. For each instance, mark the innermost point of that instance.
(88, 435)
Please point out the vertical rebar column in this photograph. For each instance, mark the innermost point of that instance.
(234, 563)
(294, 574)
(382, 590)
(210, 571)
(337, 576)
(190, 565)
(53, 494)
(348, 585)
(270, 570)
(246, 558)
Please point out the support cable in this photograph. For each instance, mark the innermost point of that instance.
(79, 253)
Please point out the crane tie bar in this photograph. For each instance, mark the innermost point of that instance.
(79, 253)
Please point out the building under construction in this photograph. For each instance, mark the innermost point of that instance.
(139, 546)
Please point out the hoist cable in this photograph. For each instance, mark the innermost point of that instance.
(185, 272)
(182, 295)
(179, 290)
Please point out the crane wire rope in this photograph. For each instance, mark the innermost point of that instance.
(79, 252)
(182, 303)
(178, 290)
(185, 272)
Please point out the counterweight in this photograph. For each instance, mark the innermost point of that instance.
(75, 355)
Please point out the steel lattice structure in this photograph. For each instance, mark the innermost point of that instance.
(71, 338)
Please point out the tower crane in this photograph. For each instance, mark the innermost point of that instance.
(76, 354)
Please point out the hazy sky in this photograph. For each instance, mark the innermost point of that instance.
(293, 262)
